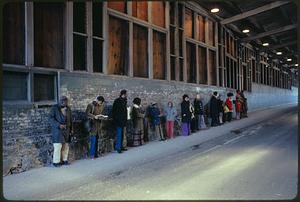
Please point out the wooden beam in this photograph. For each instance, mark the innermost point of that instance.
(279, 46)
(268, 33)
(254, 12)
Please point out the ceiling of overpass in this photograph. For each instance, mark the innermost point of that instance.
(277, 16)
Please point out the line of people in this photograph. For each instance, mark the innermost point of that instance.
(194, 116)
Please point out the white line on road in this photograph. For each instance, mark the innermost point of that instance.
(229, 141)
(215, 147)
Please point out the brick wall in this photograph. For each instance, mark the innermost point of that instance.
(26, 129)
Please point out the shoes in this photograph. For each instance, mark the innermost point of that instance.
(119, 151)
(56, 164)
(65, 163)
(124, 149)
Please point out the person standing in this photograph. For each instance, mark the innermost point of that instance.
(199, 113)
(221, 109)
(137, 115)
(214, 109)
(119, 115)
(186, 115)
(228, 108)
(94, 111)
(238, 105)
(244, 106)
(170, 113)
(61, 125)
(155, 115)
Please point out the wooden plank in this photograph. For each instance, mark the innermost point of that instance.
(211, 33)
(140, 51)
(13, 33)
(188, 23)
(49, 35)
(201, 28)
(140, 10)
(118, 46)
(254, 12)
(159, 55)
(158, 13)
(117, 5)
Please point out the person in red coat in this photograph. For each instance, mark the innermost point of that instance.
(228, 108)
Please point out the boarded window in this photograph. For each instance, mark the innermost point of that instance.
(79, 37)
(180, 15)
(228, 69)
(181, 69)
(140, 9)
(201, 28)
(172, 12)
(14, 86)
(173, 68)
(97, 19)
(97, 36)
(212, 68)
(211, 32)
(159, 55)
(44, 87)
(172, 40)
(97, 55)
(140, 51)
(158, 13)
(49, 35)
(188, 23)
(202, 65)
(118, 46)
(191, 62)
(13, 33)
(180, 41)
(118, 5)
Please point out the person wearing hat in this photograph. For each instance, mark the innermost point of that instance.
(119, 116)
(61, 127)
(186, 115)
(94, 112)
(214, 109)
(155, 115)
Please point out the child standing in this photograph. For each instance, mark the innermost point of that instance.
(170, 113)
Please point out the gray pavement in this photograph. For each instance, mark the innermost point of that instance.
(253, 158)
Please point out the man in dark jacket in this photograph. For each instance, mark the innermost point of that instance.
(119, 115)
(186, 115)
(61, 122)
(214, 109)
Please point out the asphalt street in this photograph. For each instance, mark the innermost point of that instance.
(254, 158)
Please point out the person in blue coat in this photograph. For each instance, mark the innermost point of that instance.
(61, 125)
(155, 115)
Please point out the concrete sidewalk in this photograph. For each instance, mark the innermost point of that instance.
(44, 182)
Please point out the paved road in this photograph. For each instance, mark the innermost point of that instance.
(257, 160)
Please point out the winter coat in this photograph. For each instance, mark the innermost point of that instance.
(229, 104)
(155, 115)
(186, 113)
(220, 105)
(91, 111)
(170, 113)
(198, 106)
(214, 106)
(57, 118)
(137, 115)
(119, 112)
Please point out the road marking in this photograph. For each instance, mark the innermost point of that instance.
(215, 147)
(233, 139)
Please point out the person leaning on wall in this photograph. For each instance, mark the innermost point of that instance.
(119, 115)
(95, 112)
(155, 115)
(186, 115)
(61, 125)
(171, 113)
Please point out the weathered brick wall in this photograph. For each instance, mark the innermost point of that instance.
(26, 129)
